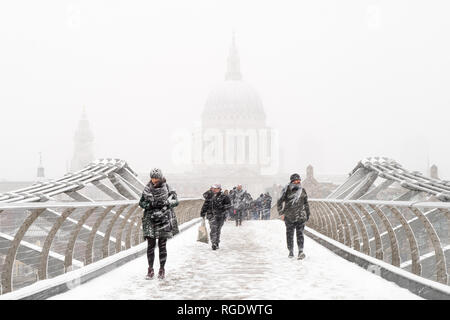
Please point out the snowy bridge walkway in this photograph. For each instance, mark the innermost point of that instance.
(251, 263)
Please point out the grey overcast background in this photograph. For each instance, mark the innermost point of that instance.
(340, 80)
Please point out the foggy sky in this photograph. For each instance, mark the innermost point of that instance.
(340, 80)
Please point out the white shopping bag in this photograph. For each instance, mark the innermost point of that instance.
(203, 232)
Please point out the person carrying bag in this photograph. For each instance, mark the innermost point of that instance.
(203, 232)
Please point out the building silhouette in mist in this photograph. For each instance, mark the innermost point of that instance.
(83, 153)
(226, 149)
(434, 172)
(40, 169)
(234, 144)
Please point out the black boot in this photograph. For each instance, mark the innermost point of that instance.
(150, 274)
(214, 247)
(291, 254)
(161, 273)
(301, 255)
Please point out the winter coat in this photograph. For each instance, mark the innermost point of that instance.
(260, 202)
(267, 203)
(296, 207)
(241, 199)
(218, 205)
(159, 220)
(207, 203)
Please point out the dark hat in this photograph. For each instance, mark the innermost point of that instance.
(295, 176)
(156, 173)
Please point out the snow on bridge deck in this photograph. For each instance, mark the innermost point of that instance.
(251, 263)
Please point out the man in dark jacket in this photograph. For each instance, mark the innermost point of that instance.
(295, 213)
(218, 206)
(241, 200)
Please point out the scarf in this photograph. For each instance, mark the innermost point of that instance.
(297, 192)
(156, 193)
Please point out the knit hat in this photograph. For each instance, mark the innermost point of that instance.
(295, 176)
(156, 173)
(216, 186)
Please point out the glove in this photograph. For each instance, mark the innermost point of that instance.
(172, 203)
(159, 203)
(157, 216)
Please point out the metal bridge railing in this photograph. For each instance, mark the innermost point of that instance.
(411, 235)
(43, 240)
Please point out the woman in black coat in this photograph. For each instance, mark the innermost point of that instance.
(159, 220)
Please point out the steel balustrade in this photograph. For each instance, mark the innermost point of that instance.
(406, 242)
(42, 240)
(362, 178)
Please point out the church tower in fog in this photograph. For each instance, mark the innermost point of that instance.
(40, 170)
(83, 153)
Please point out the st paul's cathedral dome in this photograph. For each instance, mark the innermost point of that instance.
(233, 103)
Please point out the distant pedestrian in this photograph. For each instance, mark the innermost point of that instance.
(295, 213)
(266, 207)
(229, 214)
(240, 200)
(218, 206)
(260, 206)
(248, 202)
(159, 220)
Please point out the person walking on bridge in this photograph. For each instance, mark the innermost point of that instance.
(218, 206)
(240, 200)
(229, 211)
(267, 205)
(159, 221)
(260, 206)
(295, 213)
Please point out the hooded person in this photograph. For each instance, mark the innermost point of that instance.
(295, 213)
(159, 221)
(219, 204)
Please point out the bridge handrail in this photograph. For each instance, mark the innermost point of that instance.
(72, 204)
(406, 234)
(417, 204)
(43, 240)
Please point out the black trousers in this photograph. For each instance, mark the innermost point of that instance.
(151, 252)
(238, 216)
(292, 227)
(216, 223)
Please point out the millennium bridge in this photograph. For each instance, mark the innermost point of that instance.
(59, 242)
